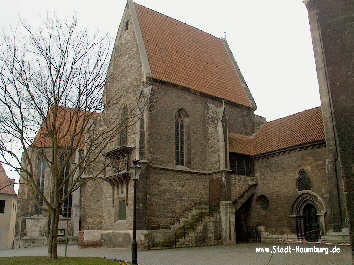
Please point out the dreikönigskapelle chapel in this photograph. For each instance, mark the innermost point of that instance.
(211, 170)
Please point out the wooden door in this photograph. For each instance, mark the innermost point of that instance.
(311, 224)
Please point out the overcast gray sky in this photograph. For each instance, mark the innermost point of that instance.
(270, 40)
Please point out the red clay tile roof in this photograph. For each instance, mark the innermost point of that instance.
(186, 56)
(66, 123)
(6, 184)
(297, 129)
(241, 144)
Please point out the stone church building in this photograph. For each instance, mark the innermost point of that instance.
(211, 170)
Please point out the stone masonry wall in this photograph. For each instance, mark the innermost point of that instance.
(277, 177)
(240, 119)
(239, 184)
(124, 81)
(171, 193)
(203, 114)
(91, 206)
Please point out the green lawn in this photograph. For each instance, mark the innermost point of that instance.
(59, 261)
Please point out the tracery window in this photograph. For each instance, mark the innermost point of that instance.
(141, 139)
(303, 181)
(180, 137)
(41, 166)
(66, 208)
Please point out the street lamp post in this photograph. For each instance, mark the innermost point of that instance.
(136, 167)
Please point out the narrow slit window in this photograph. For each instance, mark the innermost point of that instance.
(122, 210)
(124, 126)
(180, 141)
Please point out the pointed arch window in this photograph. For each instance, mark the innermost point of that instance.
(41, 166)
(303, 181)
(67, 204)
(141, 139)
(181, 131)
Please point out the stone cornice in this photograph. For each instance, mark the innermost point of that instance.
(317, 144)
(153, 81)
(187, 170)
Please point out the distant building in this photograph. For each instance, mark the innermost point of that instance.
(32, 219)
(8, 209)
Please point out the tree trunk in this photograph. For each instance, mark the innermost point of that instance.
(53, 233)
(49, 240)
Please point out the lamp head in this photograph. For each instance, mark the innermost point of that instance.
(136, 169)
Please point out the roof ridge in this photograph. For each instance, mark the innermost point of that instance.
(66, 108)
(291, 115)
(180, 21)
(242, 135)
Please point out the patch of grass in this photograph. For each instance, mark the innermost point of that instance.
(59, 261)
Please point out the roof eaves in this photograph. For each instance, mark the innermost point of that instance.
(242, 79)
(197, 92)
(289, 148)
(140, 41)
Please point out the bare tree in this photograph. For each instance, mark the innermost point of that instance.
(51, 86)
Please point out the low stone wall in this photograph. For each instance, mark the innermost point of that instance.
(89, 238)
(31, 242)
(110, 239)
(332, 237)
(37, 226)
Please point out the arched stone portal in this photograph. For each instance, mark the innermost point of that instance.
(309, 211)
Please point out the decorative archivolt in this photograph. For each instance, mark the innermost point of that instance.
(307, 197)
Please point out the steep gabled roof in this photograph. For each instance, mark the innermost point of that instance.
(181, 54)
(66, 122)
(298, 129)
(6, 184)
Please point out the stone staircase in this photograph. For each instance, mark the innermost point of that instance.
(207, 232)
(196, 227)
(250, 191)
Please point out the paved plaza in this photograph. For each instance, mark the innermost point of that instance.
(241, 254)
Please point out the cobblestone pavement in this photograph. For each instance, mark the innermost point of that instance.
(241, 254)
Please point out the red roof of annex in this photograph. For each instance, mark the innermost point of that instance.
(6, 184)
(68, 121)
(294, 130)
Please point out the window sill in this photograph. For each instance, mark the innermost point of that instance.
(182, 167)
